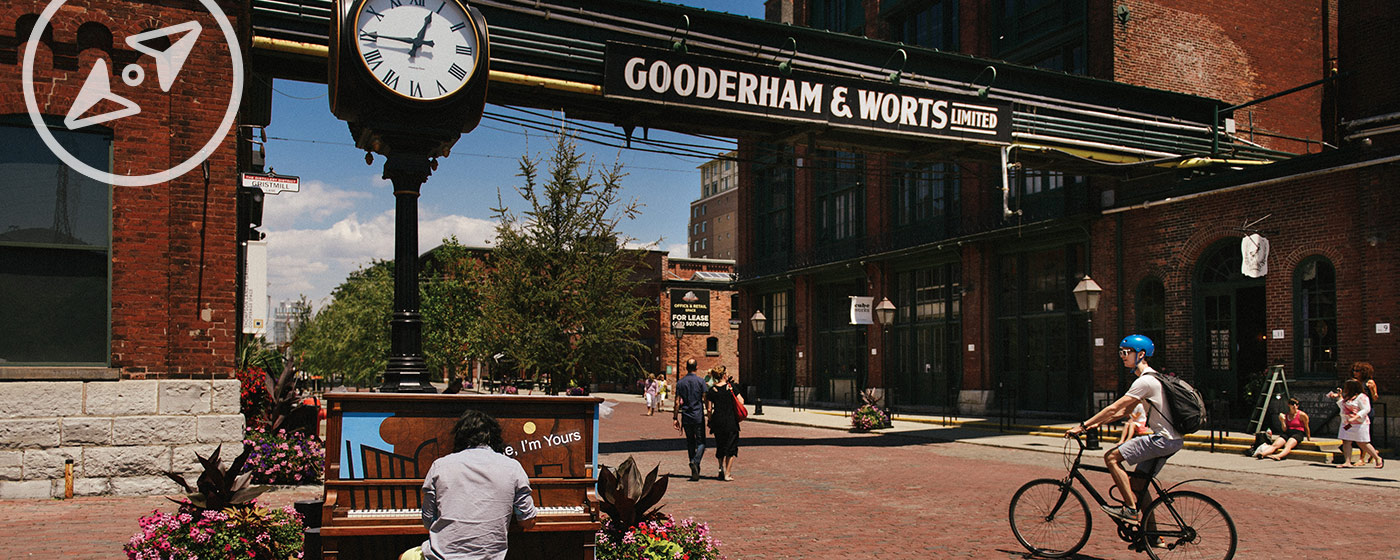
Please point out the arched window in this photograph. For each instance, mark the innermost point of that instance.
(1150, 311)
(1315, 318)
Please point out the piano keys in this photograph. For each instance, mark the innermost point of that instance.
(379, 447)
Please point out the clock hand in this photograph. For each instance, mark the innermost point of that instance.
(399, 39)
(418, 41)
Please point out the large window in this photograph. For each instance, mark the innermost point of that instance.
(927, 24)
(924, 193)
(1042, 341)
(772, 207)
(1041, 195)
(1042, 33)
(927, 362)
(54, 246)
(840, 195)
(841, 16)
(1315, 317)
(1150, 311)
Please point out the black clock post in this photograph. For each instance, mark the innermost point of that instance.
(407, 370)
(409, 80)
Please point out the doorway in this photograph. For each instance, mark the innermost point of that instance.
(1231, 327)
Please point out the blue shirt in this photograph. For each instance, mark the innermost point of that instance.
(691, 390)
(468, 499)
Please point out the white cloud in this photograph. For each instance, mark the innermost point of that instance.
(678, 250)
(316, 203)
(315, 261)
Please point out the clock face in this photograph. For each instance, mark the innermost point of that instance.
(418, 49)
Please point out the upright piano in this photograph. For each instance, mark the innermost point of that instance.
(379, 447)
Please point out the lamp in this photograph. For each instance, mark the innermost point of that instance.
(677, 332)
(884, 311)
(759, 323)
(1086, 295)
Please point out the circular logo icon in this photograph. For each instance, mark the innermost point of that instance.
(97, 88)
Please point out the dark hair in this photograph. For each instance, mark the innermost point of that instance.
(476, 428)
(1351, 388)
(1293, 402)
(690, 365)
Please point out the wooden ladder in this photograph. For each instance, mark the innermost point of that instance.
(1261, 412)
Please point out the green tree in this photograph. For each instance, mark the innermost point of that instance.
(451, 303)
(560, 294)
(349, 337)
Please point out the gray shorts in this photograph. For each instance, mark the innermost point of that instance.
(1149, 453)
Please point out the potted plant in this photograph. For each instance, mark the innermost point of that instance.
(219, 518)
(637, 529)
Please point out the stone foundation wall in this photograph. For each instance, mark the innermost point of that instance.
(123, 436)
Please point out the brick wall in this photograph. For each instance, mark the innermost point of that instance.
(173, 247)
(1336, 216)
(1232, 51)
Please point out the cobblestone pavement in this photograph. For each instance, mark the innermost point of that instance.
(809, 493)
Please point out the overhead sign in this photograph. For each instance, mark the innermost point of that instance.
(643, 73)
(271, 183)
(691, 307)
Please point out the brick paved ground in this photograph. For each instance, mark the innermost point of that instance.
(808, 493)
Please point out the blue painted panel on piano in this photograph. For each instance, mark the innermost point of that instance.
(359, 429)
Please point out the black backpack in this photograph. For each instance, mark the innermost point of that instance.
(1188, 409)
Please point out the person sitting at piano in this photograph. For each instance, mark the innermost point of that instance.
(470, 495)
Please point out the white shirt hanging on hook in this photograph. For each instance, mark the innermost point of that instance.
(1255, 250)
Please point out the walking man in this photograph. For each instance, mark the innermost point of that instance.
(1149, 452)
(689, 415)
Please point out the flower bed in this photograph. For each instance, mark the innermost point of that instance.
(868, 418)
(662, 538)
(252, 395)
(283, 457)
(254, 533)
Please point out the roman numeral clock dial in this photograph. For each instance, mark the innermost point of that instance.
(418, 49)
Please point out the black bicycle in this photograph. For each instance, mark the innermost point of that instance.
(1051, 519)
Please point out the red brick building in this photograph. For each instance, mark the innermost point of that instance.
(985, 316)
(119, 312)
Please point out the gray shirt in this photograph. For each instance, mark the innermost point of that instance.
(468, 498)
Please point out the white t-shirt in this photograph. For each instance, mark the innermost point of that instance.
(1159, 416)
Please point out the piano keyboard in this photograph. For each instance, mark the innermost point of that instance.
(416, 513)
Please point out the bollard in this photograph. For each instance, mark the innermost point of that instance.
(310, 511)
(67, 478)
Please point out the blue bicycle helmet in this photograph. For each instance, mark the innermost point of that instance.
(1137, 343)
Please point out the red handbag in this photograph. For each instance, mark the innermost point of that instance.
(739, 408)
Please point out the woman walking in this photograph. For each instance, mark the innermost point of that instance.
(1355, 423)
(722, 406)
(651, 391)
(1364, 372)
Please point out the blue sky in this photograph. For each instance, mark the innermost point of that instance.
(343, 217)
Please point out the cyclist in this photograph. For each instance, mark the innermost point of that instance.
(1149, 452)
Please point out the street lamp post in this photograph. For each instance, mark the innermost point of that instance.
(677, 332)
(884, 312)
(1086, 295)
(759, 323)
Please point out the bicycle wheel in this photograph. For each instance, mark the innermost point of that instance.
(1050, 518)
(1185, 524)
